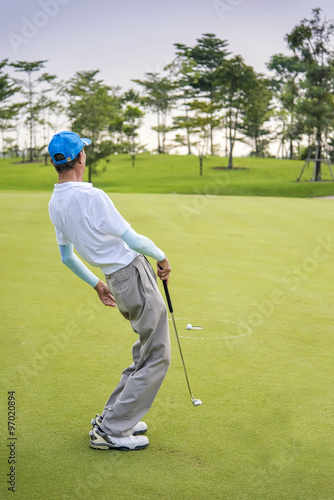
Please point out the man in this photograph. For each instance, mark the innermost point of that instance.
(85, 217)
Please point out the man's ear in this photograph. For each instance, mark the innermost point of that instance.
(80, 157)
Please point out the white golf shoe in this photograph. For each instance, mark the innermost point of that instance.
(138, 429)
(102, 441)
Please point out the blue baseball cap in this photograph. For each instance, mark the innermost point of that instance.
(67, 143)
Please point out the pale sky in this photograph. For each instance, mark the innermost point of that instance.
(125, 39)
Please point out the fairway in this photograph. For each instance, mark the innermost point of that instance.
(257, 274)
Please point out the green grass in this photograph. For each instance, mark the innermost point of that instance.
(180, 174)
(264, 430)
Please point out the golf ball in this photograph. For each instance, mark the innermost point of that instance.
(189, 326)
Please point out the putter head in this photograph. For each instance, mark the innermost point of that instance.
(196, 402)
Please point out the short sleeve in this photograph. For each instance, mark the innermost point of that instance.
(106, 217)
(61, 239)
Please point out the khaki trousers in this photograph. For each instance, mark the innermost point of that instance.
(139, 300)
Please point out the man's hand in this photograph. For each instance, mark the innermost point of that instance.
(104, 294)
(164, 269)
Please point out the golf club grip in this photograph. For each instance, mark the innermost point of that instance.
(169, 302)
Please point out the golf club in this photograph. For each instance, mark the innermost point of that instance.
(195, 402)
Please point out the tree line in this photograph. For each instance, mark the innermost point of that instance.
(205, 92)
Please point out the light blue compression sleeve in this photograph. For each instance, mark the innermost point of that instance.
(142, 245)
(74, 263)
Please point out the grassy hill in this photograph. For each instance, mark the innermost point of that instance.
(180, 174)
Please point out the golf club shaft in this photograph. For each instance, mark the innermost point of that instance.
(169, 302)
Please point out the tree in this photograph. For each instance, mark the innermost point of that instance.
(36, 100)
(132, 120)
(158, 97)
(203, 61)
(116, 119)
(286, 87)
(51, 108)
(200, 125)
(180, 70)
(91, 109)
(255, 113)
(310, 42)
(234, 80)
(7, 89)
(185, 123)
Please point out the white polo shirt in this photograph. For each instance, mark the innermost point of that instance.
(86, 217)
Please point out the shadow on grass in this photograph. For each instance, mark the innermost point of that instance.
(230, 169)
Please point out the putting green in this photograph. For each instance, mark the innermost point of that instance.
(211, 329)
(265, 427)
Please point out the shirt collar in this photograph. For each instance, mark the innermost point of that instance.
(72, 184)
